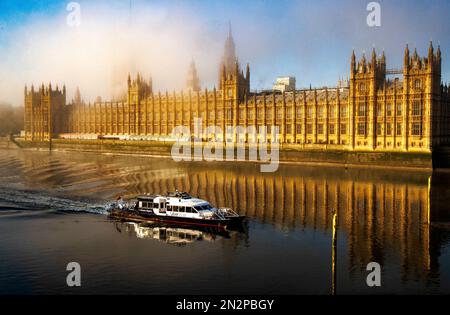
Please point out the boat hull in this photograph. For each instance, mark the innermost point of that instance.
(177, 221)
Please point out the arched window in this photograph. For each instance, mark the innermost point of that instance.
(362, 87)
(417, 84)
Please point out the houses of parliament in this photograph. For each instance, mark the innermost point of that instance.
(408, 113)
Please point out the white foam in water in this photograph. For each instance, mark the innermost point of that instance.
(35, 200)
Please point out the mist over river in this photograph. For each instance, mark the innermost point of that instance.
(52, 212)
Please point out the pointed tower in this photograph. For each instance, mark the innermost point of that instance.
(229, 56)
(192, 82)
(353, 64)
(77, 97)
(231, 78)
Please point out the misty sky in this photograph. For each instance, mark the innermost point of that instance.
(311, 40)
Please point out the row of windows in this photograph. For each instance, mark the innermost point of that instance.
(389, 131)
(417, 84)
(362, 110)
(181, 209)
(416, 109)
(416, 129)
(320, 129)
(389, 110)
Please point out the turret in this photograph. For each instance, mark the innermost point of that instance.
(353, 64)
(415, 55)
(374, 59)
(192, 81)
(431, 54)
(406, 58)
(363, 60)
(247, 74)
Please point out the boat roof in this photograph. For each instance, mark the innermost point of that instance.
(182, 197)
(147, 197)
(176, 194)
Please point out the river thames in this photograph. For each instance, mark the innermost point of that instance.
(52, 212)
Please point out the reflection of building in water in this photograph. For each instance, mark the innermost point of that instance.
(171, 235)
(379, 213)
(374, 214)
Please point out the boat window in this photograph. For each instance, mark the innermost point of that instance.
(182, 209)
(174, 208)
(198, 208)
(169, 208)
(190, 210)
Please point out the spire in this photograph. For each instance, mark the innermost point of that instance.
(229, 55)
(430, 53)
(415, 54)
(77, 97)
(373, 61)
(193, 82)
(353, 63)
(406, 57)
(363, 60)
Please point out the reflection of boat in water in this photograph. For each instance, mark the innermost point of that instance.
(178, 209)
(170, 235)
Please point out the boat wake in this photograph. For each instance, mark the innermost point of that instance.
(27, 200)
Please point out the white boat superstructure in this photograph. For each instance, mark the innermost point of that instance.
(177, 208)
(179, 205)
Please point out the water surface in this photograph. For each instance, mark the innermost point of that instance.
(52, 213)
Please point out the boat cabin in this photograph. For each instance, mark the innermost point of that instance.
(178, 204)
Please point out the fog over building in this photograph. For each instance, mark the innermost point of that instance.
(369, 112)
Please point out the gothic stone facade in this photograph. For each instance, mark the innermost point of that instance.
(372, 113)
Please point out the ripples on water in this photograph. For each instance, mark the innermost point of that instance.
(398, 219)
